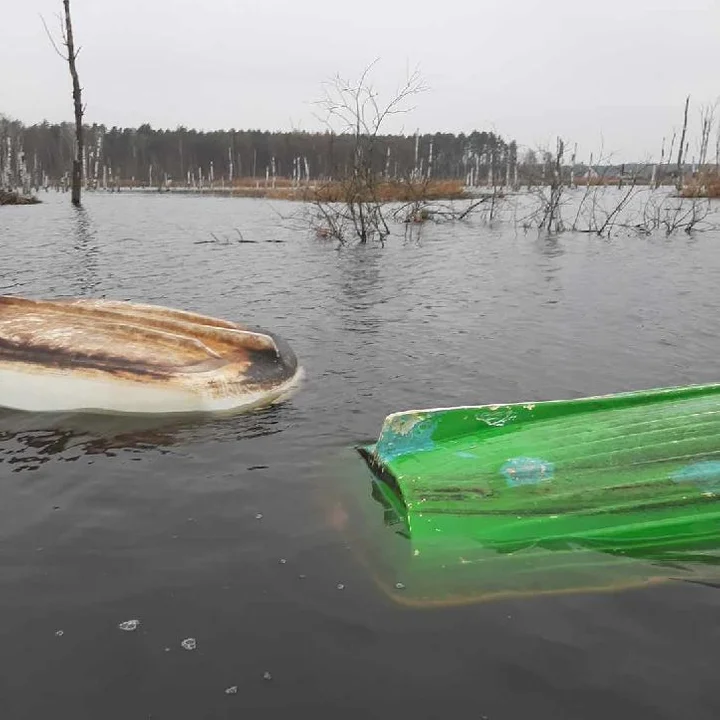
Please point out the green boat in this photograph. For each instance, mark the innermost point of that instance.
(632, 477)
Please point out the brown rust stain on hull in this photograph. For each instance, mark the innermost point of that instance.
(144, 344)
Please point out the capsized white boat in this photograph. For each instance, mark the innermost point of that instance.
(111, 356)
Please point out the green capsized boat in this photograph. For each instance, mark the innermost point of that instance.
(636, 474)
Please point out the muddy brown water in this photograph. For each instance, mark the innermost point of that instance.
(247, 534)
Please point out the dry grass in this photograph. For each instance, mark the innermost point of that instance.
(383, 192)
(259, 183)
(283, 188)
(704, 185)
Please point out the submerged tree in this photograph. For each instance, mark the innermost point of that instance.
(71, 59)
(353, 204)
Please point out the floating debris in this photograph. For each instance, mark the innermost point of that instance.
(231, 690)
(129, 625)
(267, 676)
(283, 561)
(60, 633)
(302, 577)
(340, 586)
(399, 586)
(259, 516)
(189, 644)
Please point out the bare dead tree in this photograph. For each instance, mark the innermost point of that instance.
(612, 216)
(707, 122)
(588, 209)
(352, 204)
(552, 219)
(70, 56)
(682, 145)
(548, 190)
(672, 147)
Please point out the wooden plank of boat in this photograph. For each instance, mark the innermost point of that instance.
(619, 470)
(103, 355)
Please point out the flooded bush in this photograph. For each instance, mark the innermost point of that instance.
(13, 198)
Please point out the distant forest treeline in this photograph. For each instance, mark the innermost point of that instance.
(40, 155)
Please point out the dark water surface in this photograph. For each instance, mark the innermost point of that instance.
(238, 532)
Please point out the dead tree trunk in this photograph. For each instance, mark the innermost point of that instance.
(77, 175)
(682, 145)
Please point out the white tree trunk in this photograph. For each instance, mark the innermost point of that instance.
(417, 152)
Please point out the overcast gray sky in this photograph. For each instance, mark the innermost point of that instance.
(611, 72)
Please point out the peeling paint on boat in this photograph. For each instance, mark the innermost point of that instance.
(102, 355)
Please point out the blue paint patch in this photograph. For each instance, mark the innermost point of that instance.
(705, 474)
(527, 471)
(417, 437)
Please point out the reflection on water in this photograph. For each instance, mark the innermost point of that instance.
(362, 288)
(86, 257)
(29, 440)
(442, 562)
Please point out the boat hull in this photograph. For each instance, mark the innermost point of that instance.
(565, 496)
(106, 356)
(594, 470)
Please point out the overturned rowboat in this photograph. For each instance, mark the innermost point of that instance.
(554, 494)
(111, 356)
(534, 472)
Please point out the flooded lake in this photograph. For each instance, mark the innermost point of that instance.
(250, 549)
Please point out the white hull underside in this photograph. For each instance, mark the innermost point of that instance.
(64, 391)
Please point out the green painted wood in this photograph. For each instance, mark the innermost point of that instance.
(633, 472)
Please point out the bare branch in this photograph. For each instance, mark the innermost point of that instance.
(52, 39)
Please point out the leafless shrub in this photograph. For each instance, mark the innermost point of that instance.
(426, 204)
(548, 191)
(670, 215)
(355, 108)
